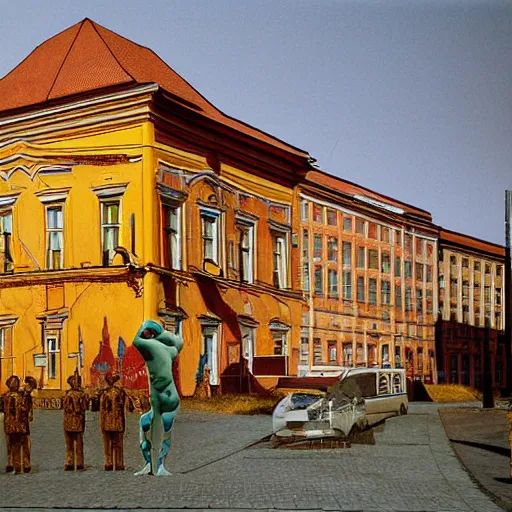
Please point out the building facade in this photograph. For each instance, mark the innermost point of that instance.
(124, 196)
(368, 269)
(471, 296)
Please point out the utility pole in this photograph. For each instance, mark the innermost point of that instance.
(507, 289)
(488, 398)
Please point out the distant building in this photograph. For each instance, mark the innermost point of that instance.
(368, 269)
(471, 290)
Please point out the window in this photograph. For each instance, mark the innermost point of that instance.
(333, 282)
(497, 320)
(419, 271)
(280, 338)
(385, 293)
(398, 265)
(5, 240)
(487, 269)
(318, 213)
(210, 235)
(347, 285)
(372, 291)
(398, 296)
(360, 257)
(319, 287)
(210, 349)
(429, 273)
(332, 248)
(332, 217)
(385, 317)
(408, 242)
(280, 260)
(246, 252)
(360, 226)
(419, 246)
(408, 269)
(333, 351)
(360, 288)
(465, 289)
(430, 249)
(465, 263)
(305, 260)
(347, 223)
(52, 344)
(54, 238)
(317, 248)
(6, 351)
(347, 254)
(385, 263)
(487, 294)
(420, 358)
(347, 354)
(477, 266)
(110, 228)
(384, 234)
(408, 299)
(373, 259)
(317, 351)
(304, 351)
(465, 314)
(172, 255)
(430, 306)
(304, 210)
(372, 231)
(419, 300)
(498, 271)
(497, 296)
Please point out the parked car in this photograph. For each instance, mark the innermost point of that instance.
(360, 398)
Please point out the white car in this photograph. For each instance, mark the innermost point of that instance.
(310, 416)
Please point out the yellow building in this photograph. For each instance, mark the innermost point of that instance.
(125, 196)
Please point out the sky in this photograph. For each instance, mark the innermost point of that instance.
(412, 99)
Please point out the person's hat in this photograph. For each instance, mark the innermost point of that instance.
(10, 380)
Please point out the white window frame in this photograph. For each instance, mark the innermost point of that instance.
(280, 258)
(52, 366)
(4, 214)
(212, 359)
(50, 231)
(173, 236)
(104, 226)
(249, 227)
(248, 345)
(214, 216)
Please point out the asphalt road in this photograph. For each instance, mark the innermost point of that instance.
(412, 467)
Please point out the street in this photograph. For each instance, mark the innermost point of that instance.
(411, 468)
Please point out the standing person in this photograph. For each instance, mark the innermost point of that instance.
(11, 404)
(18, 413)
(112, 414)
(75, 405)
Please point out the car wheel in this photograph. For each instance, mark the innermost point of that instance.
(403, 410)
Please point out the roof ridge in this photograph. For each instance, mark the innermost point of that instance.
(93, 23)
(65, 57)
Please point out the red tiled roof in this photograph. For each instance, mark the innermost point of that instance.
(346, 187)
(471, 242)
(86, 57)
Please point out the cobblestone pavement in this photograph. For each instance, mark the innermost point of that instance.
(480, 439)
(411, 468)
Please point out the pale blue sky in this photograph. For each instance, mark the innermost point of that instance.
(410, 98)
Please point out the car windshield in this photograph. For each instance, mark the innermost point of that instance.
(303, 400)
(355, 386)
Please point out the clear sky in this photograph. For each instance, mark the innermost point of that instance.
(412, 99)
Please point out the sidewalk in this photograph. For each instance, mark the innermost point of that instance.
(479, 437)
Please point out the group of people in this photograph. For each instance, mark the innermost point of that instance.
(17, 406)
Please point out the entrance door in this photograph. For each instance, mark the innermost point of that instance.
(248, 337)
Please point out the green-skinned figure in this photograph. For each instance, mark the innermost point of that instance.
(159, 348)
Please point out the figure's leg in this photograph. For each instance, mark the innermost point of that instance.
(69, 451)
(168, 422)
(79, 437)
(145, 441)
(16, 452)
(10, 465)
(27, 468)
(119, 451)
(107, 447)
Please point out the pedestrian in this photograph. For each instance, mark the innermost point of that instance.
(18, 413)
(113, 402)
(75, 404)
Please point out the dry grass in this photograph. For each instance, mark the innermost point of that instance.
(449, 393)
(240, 404)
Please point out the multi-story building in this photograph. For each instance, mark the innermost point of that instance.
(368, 269)
(125, 195)
(471, 296)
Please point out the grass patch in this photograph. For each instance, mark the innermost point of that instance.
(449, 393)
(239, 404)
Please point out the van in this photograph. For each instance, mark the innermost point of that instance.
(384, 391)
